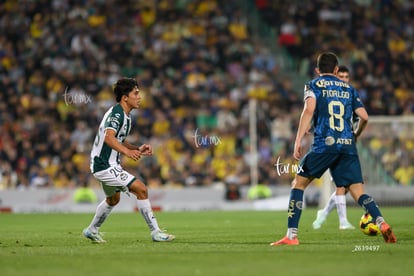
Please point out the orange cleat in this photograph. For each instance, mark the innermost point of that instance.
(286, 241)
(387, 233)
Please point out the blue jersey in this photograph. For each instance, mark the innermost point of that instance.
(336, 101)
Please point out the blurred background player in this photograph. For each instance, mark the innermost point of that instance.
(232, 188)
(110, 143)
(338, 197)
(343, 73)
(84, 194)
(331, 105)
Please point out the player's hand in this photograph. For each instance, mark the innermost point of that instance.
(297, 152)
(355, 136)
(146, 150)
(134, 154)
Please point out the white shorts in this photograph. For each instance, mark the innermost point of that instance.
(114, 179)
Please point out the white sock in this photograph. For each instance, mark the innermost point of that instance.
(145, 209)
(102, 212)
(379, 221)
(341, 208)
(292, 233)
(330, 204)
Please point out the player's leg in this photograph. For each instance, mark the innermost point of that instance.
(313, 166)
(340, 199)
(349, 171)
(330, 205)
(144, 206)
(368, 203)
(295, 204)
(103, 210)
(143, 203)
(299, 184)
(113, 181)
(322, 214)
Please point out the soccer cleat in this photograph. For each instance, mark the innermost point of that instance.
(387, 233)
(286, 241)
(161, 236)
(320, 219)
(346, 226)
(94, 237)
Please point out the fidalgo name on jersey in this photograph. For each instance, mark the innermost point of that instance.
(335, 93)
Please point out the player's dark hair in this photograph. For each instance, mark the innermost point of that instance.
(343, 68)
(123, 86)
(327, 62)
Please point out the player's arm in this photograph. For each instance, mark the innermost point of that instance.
(112, 142)
(363, 121)
(304, 125)
(130, 146)
(144, 149)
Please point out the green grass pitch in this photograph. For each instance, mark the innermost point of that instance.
(207, 243)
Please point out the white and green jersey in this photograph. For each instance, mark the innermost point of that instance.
(103, 156)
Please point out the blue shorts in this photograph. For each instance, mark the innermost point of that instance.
(345, 168)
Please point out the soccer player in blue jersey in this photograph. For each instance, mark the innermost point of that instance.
(110, 142)
(330, 103)
(337, 198)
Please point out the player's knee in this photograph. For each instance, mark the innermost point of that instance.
(300, 184)
(139, 189)
(341, 190)
(142, 193)
(113, 200)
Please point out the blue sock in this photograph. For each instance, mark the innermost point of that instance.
(295, 207)
(368, 203)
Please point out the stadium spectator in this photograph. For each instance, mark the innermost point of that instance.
(377, 52)
(259, 191)
(232, 188)
(84, 194)
(188, 57)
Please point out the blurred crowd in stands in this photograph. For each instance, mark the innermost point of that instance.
(375, 39)
(197, 66)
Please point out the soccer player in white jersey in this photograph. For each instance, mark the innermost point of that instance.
(338, 197)
(107, 148)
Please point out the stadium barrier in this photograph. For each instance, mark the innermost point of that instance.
(188, 199)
